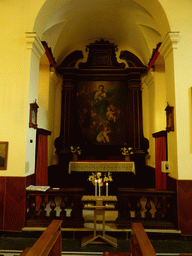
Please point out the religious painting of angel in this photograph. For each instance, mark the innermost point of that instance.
(101, 111)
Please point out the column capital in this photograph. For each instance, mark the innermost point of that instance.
(169, 43)
(34, 44)
(148, 80)
(54, 79)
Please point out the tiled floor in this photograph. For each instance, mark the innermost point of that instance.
(164, 242)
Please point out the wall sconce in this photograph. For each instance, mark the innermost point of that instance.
(165, 167)
(33, 115)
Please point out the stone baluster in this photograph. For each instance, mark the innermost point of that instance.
(53, 206)
(138, 208)
(148, 214)
(169, 209)
(76, 206)
(62, 207)
(42, 212)
(126, 207)
(158, 207)
(31, 213)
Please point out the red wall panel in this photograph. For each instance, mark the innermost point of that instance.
(13, 202)
(184, 205)
(2, 201)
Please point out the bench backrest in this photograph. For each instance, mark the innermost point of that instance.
(140, 244)
(49, 242)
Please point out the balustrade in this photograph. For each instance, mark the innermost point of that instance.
(64, 204)
(155, 209)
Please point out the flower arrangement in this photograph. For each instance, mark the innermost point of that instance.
(75, 150)
(126, 151)
(97, 177)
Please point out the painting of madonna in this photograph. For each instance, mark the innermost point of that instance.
(101, 111)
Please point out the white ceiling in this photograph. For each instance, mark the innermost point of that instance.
(78, 23)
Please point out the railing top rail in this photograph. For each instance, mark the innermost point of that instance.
(146, 191)
(140, 243)
(60, 191)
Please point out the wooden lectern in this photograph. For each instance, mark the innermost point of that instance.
(99, 209)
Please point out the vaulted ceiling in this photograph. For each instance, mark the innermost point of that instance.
(78, 23)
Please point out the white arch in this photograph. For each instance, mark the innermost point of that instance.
(134, 25)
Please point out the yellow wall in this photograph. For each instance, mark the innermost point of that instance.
(53, 117)
(21, 53)
(154, 104)
(14, 84)
(178, 83)
(20, 77)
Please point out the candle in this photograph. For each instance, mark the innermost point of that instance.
(95, 187)
(107, 189)
(99, 187)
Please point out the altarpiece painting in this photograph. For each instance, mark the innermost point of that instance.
(101, 111)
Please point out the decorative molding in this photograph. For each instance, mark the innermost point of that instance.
(154, 56)
(43, 131)
(160, 134)
(54, 79)
(148, 80)
(34, 44)
(169, 43)
(49, 54)
(102, 55)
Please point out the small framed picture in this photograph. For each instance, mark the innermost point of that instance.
(33, 115)
(170, 118)
(3, 155)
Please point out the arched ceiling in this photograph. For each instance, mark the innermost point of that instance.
(78, 23)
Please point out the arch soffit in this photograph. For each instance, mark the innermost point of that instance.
(155, 9)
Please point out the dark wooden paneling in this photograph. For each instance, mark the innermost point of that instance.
(184, 205)
(2, 200)
(15, 203)
(171, 183)
(30, 180)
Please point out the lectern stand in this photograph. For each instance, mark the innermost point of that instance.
(99, 209)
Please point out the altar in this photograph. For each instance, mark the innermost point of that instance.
(101, 166)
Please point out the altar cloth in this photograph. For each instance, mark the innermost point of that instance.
(101, 166)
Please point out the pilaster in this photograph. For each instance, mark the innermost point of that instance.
(34, 44)
(169, 43)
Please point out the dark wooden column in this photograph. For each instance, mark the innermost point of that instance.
(67, 115)
(67, 132)
(134, 115)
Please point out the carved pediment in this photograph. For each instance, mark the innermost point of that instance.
(102, 55)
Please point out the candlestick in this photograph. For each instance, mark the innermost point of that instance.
(107, 189)
(95, 187)
(99, 187)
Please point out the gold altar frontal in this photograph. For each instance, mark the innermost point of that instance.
(101, 204)
(101, 166)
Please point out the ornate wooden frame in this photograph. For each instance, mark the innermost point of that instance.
(170, 118)
(101, 66)
(33, 115)
(3, 155)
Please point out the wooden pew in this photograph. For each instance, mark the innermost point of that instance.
(49, 243)
(140, 244)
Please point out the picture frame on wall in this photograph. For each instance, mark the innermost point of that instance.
(33, 115)
(3, 155)
(169, 118)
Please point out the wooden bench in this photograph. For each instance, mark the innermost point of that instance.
(49, 242)
(140, 244)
